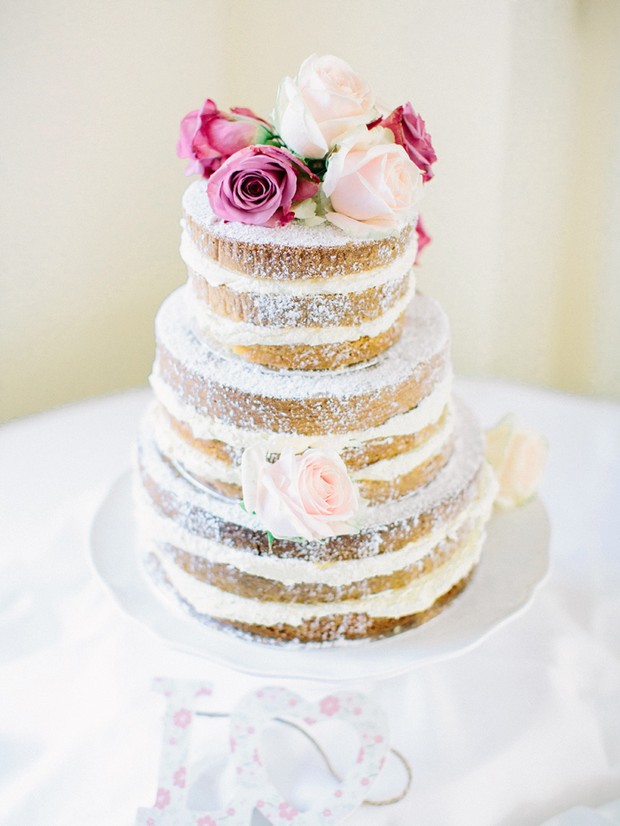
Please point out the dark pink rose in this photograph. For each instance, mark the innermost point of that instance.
(259, 185)
(423, 238)
(410, 132)
(208, 137)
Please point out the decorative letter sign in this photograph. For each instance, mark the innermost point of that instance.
(253, 788)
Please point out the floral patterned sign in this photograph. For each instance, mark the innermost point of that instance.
(253, 788)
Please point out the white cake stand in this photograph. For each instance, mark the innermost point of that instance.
(514, 564)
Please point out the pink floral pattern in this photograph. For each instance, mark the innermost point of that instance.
(287, 811)
(330, 705)
(182, 718)
(163, 798)
(179, 777)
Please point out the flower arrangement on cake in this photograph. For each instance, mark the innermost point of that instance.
(327, 154)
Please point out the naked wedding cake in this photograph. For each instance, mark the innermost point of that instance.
(304, 473)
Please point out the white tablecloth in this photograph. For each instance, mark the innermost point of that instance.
(524, 726)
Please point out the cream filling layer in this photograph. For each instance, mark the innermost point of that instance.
(425, 413)
(387, 470)
(354, 282)
(202, 466)
(157, 529)
(419, 595)
(241, 334)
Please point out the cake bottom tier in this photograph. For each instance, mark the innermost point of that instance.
(330, 629)
(407, 562)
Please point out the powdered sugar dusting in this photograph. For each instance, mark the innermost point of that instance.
(426, 334)
(279, 309)
(294, 251)
(297, 234)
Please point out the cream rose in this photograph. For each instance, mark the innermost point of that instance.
(518, 457)
(309, 495)
(372, 183)
(325, 100)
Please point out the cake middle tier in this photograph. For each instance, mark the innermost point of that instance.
(390, 419)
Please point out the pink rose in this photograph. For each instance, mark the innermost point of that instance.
(208, 137)
(325, 100)
(410, 132)
(259, 185)
(309, 495)
(518, 458)
(423, 237)
(372, 184)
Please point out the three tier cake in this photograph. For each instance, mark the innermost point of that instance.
(304, 473)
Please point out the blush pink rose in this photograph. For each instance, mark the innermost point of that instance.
(308, 496)
(518, 457)
(208, 136)
(326, 100)
(259, 185)
(372, 184)
(409, 131)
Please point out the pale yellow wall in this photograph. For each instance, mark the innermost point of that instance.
(520, 100)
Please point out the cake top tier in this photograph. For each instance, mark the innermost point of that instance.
(328, 165)
(291, 251)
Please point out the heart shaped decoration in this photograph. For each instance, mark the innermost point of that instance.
(260, 707)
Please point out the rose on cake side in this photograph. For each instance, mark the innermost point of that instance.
(259, 185)
(423, 237)
(518, 458)
(300, 496)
